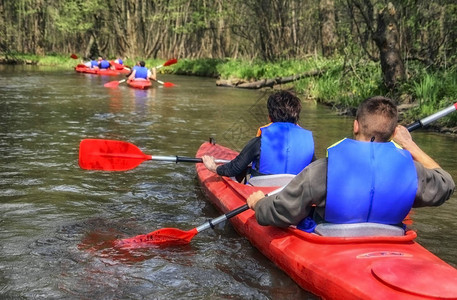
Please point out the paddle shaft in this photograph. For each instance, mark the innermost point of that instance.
(230, 214)
(432, 118)
(184, 159)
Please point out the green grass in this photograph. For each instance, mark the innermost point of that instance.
(434, 91)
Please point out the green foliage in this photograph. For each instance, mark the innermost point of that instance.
(55, 60)
(74, 16)
(199, 67)
(255, 70)
(434, 91)
(428, 88)
(343, 86)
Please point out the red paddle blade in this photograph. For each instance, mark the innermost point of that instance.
(111, 84)
(74, 56)
(168, 84)
(170, 62)
(109, 155)
(164, 236)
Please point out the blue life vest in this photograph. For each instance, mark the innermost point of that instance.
(104, 64)
(285, 148)
(369, 182)
(141, 72)
(119, 61)
(93, 63)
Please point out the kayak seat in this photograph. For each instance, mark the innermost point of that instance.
(358, 229)
(271, 180)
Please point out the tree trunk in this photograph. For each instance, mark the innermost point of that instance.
(87, 52)
(387, 40)
(328, 27)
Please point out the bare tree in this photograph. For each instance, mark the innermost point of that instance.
(387, 40)
(328, 27)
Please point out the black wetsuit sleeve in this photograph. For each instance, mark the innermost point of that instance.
(250, 153)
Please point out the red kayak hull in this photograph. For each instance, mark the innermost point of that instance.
(139, 84)
(106, 72)
(84, 69)
(334, 267)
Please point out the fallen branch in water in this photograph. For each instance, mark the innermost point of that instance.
(239, 83)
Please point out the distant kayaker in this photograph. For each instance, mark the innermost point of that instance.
(141, 72)
(93, 64)
(118, 64)
(103, 63)
(281, 147)
(366, 179)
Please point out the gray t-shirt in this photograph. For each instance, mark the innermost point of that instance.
(295, 201)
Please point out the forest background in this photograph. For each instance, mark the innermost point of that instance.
(342, 51)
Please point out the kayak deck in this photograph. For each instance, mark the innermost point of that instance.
(334, 267)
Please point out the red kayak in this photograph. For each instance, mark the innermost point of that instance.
(139, 83)
(370, 267)
(120, 68)
(84, 69)
(108, 72)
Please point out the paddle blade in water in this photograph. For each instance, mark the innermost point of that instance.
(74, 56)
(170, 62)
(161, 237)
(111, 84)
(168, 84)
(109, 155)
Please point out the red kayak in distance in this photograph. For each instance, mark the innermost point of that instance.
(107, 72)
(120, 68)
(363, 267)
(139, 83)
(84, 69)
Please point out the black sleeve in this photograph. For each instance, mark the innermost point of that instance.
(250, 153)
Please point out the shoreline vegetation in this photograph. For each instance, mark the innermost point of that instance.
(336, 82)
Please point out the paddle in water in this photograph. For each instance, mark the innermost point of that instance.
(113, 84)
(165, 84)
(173, 236)
(111, 155)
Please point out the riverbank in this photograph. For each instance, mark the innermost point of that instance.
(339, 83)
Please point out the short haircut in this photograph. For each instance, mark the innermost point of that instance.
(142, 63)
(378, 118)
(284, 106)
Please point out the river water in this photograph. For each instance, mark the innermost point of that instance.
(58, 221)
